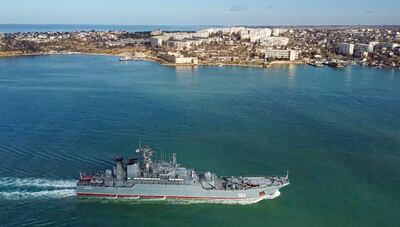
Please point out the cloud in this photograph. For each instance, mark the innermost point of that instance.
(238, 8)
(369, 11)
(268, 7)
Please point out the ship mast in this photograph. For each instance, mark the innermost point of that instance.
(147, 153)
(174, 160)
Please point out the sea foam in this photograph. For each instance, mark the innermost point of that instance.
(27, 188)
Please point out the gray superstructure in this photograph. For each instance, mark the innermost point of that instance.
(168, 180)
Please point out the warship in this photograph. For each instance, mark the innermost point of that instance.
(166, 179)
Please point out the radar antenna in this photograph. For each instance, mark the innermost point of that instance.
(147, 153)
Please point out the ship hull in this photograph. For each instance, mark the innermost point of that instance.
(181, 192)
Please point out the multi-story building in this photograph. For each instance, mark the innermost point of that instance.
(274, 41)
(177, 58)
(156, 42)
(1, 40)
(186, 60)
(181, 35)
(362, 50)
(397, 50)
(345, 49)
(159, 40)
(387, 45)
(179, 44)
(230, 31)
(255, 34)
(201, 34)
(207, 32)
(291, 55)
(156, 32)
(186, 43)
(276, 32)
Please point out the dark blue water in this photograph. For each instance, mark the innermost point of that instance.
(9, 28)
(337, 131)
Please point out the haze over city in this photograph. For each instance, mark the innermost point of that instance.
(207, 12)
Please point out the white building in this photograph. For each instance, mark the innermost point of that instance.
(207, 32)
(362, 50)
(202, 34)
(230, 31)
(214, 39)
(291, 55)
(187, 43)
(159, 40)
(177, 58)
(276, 32)
(186, 60)
(274, 41)
(156, 42)
(255, 34)
(42, 36)
(365, 47)
(181, 35)
(388, 45)
(156, 32)
(345, 49)
(179, 44)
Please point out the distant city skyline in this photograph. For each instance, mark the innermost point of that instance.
(206, 12)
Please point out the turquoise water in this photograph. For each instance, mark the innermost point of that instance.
(336, 131)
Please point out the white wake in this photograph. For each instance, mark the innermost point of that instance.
(29, 188)
(36, 182)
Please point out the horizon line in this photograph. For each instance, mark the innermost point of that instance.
(212, 25)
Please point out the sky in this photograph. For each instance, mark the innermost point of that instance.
(201, 12)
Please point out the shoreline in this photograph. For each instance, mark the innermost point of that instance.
(160, 61)
(58, 53)
(169, 64)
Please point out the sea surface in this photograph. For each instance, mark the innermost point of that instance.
(336, 131)
(10, 28)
